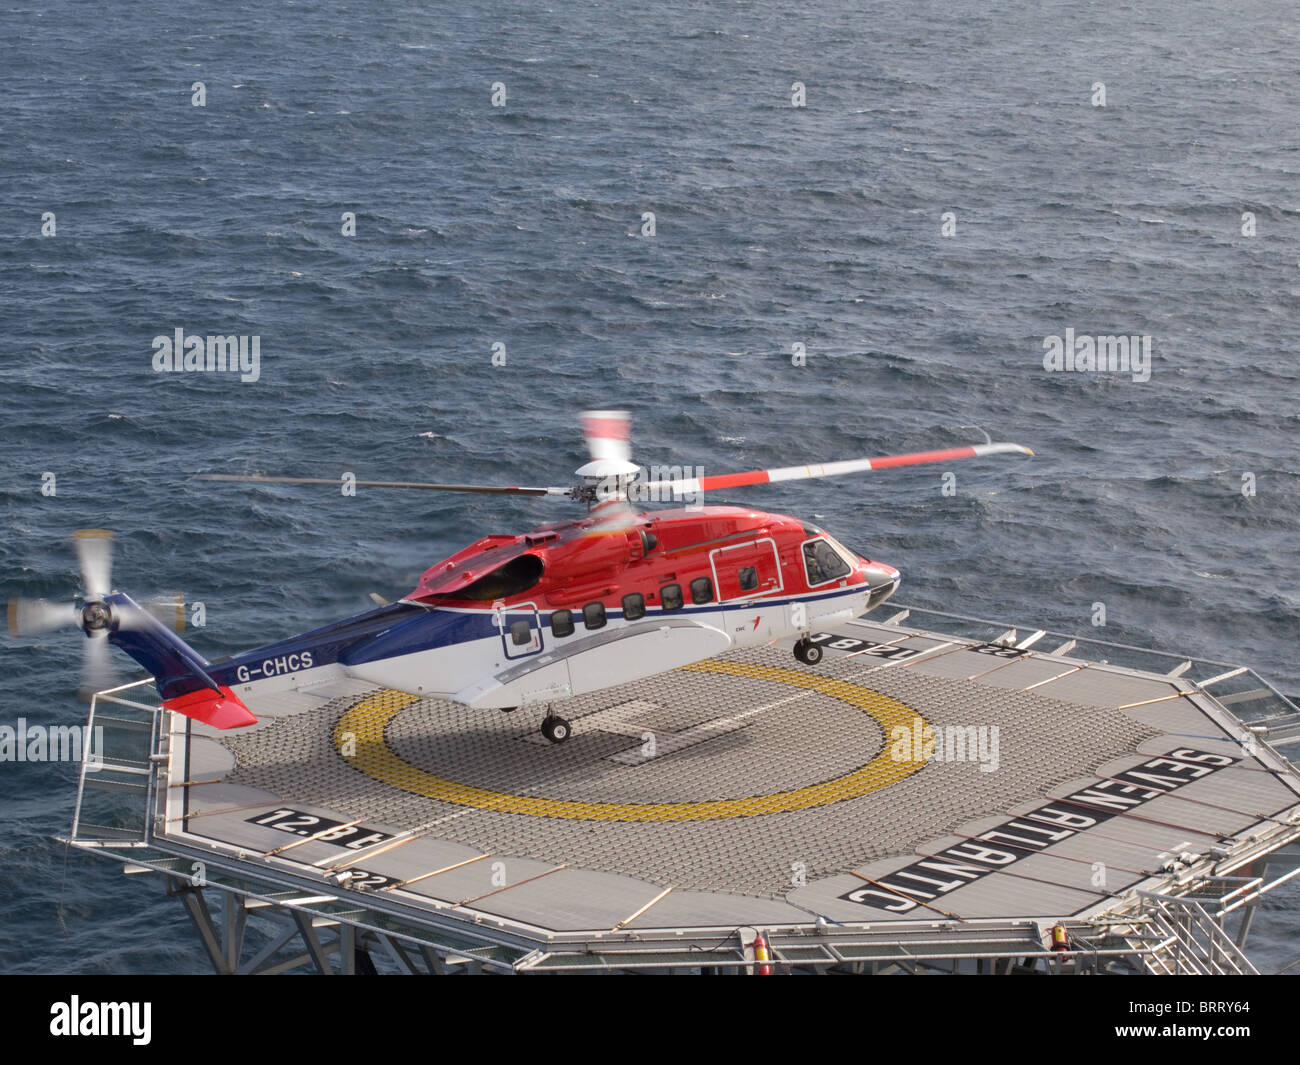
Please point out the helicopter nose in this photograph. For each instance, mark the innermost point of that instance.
(883, 581)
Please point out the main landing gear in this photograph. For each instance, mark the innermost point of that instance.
(556, 729)
(808, 652)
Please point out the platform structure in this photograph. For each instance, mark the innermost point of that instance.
(960, 796)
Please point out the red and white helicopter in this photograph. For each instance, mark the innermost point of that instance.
(569, 608)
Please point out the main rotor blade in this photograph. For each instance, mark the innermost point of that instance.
(95, 553)
(29, 616)
(490, 489)
(829, 469)
(609, 435)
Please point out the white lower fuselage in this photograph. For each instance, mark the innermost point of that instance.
(487, 666)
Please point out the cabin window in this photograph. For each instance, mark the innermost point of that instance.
(593, 615)
(823, 563)
(633, 606)
(701, 590)
(562, 623)
(670, 595)
(521, 632)
(748, 577)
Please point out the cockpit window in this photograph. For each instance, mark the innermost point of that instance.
(823, 562)
(848, 554)
(517, 575)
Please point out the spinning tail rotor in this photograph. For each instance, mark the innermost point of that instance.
(94, 614)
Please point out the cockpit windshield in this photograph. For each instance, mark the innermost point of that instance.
(823, 563)
(849, 556)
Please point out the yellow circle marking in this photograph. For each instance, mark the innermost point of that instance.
(366, 722)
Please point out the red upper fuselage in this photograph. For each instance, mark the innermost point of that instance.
(567, 564)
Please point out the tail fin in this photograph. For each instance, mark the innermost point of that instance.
(220, 708)
(179, 671)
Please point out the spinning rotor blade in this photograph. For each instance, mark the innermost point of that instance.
(614, 514)
(829, 469)
(29, 616)
(608, 434)
(168, 609)
(254, 478)
(610, 477)
(95, 617)
(97, 669)
(95, 553)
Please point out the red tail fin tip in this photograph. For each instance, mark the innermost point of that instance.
(222, 710)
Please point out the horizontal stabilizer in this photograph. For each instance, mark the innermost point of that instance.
(220, 710)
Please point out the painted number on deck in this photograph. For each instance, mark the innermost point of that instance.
(998, 651)
(867, 647)
(298, 823)
(361, 880)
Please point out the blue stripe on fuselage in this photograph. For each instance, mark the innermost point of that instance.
(404, 628)
(432, 628)
(442, 628)
(319, 647)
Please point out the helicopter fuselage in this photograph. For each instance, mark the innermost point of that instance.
(570, 608)
(574, 607)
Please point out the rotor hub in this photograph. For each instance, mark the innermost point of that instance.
(95, 617)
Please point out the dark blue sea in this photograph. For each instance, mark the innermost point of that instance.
(523, 225)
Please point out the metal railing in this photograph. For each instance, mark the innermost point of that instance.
(127, 764)
(1192, 942)
(1272, 716)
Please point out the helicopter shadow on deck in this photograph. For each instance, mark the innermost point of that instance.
(515, 757)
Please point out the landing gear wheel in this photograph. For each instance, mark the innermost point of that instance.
(808, 652)
(556, 729)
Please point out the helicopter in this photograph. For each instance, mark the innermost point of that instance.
(569, 608)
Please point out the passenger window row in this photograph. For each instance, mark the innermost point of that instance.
(593, 614)
(670, 595)
(593, 617)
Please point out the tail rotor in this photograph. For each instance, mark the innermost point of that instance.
(92, 614)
